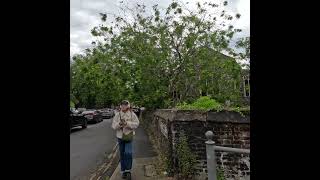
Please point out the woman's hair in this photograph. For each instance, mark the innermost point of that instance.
(125, 103)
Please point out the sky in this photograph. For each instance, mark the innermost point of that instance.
(84, 15)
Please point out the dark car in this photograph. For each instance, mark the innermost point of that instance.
(93, 115)
(107, 113)
(77, 119)
(136, 110)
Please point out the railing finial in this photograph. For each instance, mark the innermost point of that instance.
(209, 135)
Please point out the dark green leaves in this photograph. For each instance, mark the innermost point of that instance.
(157, 13)
(222, 13)
(103, 17)
(179, 10)
(225, 3)
(198, 4)
(174, 5)
(105, 29)
(213, 5)
(94, 31)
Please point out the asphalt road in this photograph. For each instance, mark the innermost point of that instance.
(89, 147)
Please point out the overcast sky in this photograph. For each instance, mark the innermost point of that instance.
(84, 15)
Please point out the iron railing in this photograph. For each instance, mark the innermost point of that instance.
(211, 157)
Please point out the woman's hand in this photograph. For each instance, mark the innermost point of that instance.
(122, 124)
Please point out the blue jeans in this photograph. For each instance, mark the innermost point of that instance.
(125, 149)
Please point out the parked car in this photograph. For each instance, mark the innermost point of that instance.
(93, 115)
(136, 110)
(77, 119)
(107, 113)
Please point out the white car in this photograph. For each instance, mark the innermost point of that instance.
(92, 115)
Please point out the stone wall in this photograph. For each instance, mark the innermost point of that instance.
(231, 129)
(154, 127)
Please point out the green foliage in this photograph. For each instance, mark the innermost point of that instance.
(244, 43)
(220, 175)
(241, 110)
(103, 17)
(203, 103)
(186, 159)
(237, 109)
(206, 103)
(225, 3)
(158, 60)
(71, 104)
(165, 162)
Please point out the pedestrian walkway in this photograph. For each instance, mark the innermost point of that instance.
(143, 169)
(144, 158)
(142, 147)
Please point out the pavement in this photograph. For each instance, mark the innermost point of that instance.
(144, 159)
(142, 147)
(94, 155)
(89, 148)
(140, 170)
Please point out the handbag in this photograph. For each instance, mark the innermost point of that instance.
(127, 137)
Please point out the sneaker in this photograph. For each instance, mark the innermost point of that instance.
(128, 175)
(124, 175)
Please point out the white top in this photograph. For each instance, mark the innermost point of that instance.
(131, 119)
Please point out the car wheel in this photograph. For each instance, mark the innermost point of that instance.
(85, 123)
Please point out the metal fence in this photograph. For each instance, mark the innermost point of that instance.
(211, 157)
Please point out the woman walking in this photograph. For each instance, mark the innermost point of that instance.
(125, 122)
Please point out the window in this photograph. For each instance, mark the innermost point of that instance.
(246, 87)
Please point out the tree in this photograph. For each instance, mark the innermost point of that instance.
(159, 59)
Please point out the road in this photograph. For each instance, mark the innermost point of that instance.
(89, 147)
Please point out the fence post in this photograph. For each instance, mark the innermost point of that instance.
(211, 157)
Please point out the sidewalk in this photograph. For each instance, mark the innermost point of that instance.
(140, 170)
(144, 159)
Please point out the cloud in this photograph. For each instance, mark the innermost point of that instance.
(84, 15)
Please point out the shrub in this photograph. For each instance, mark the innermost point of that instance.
(220, 175)
(186, 159)
(203, 103)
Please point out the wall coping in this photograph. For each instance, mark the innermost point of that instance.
(204, 116)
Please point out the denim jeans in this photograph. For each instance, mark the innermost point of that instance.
(125, 149)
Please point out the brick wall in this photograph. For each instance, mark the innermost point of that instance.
(231, 129)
